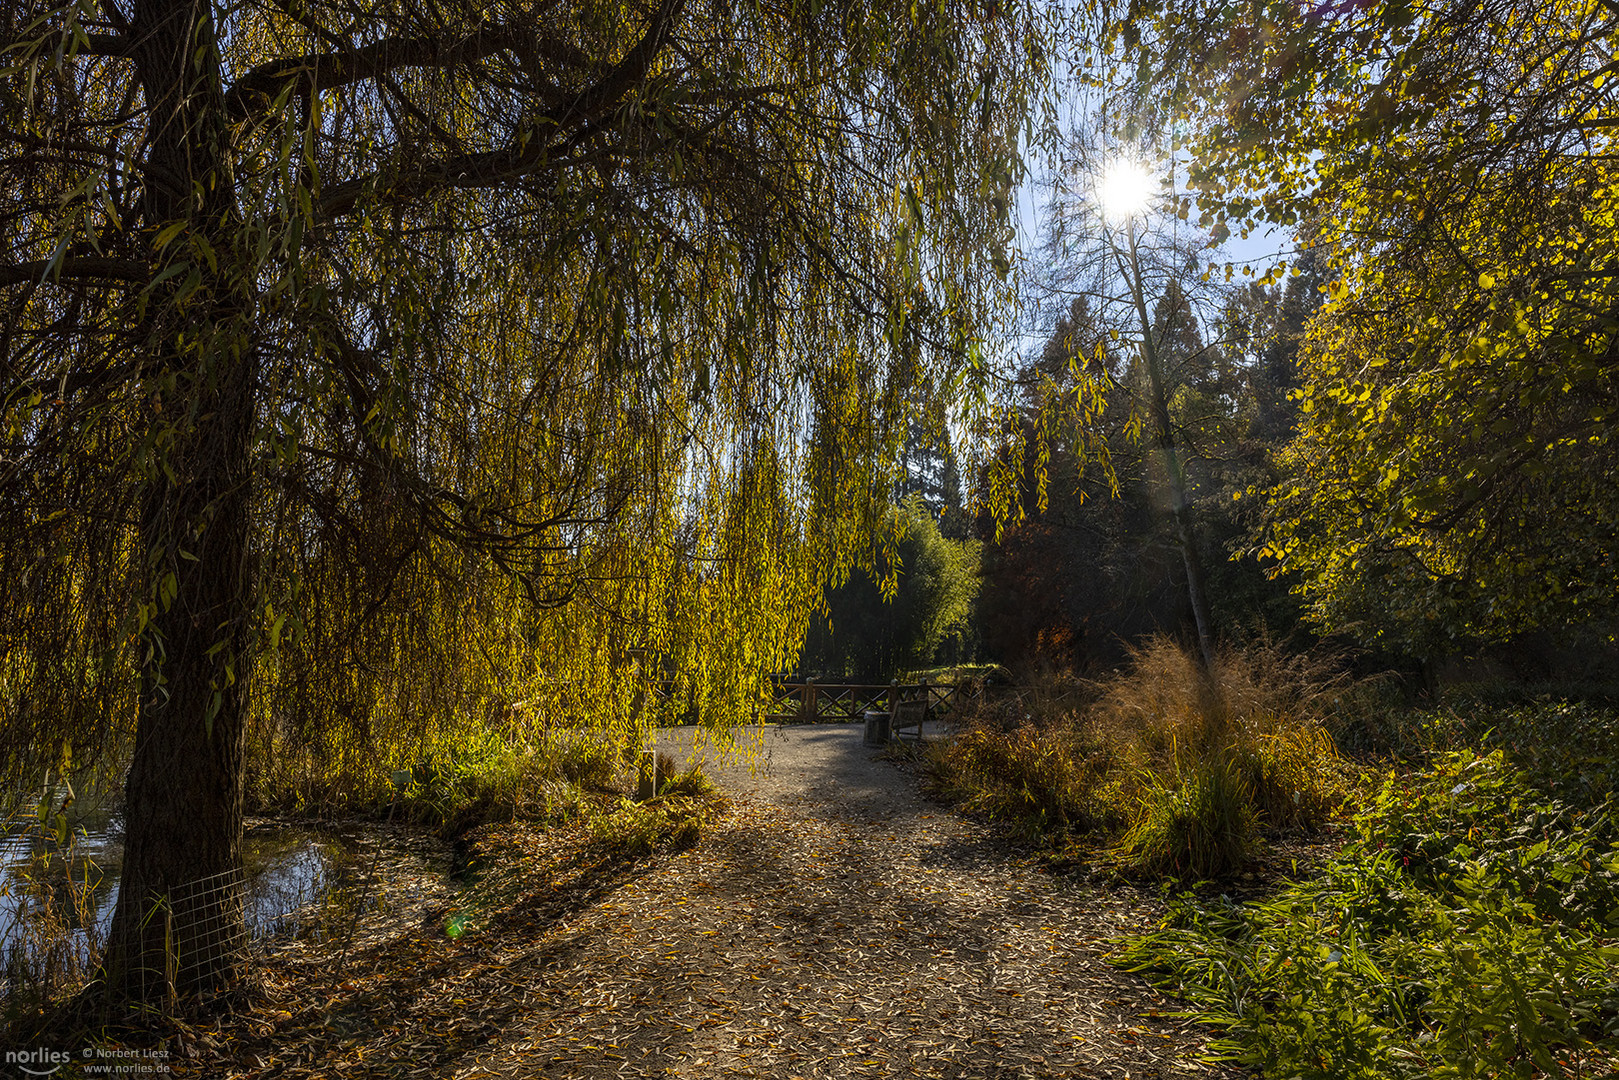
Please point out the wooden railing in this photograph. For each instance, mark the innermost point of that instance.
(811, 702)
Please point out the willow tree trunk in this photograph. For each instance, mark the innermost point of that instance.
(178, 924)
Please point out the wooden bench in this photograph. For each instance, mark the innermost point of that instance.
(909, 714)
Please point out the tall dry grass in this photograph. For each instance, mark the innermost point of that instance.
(1170, 768)
(50, 936)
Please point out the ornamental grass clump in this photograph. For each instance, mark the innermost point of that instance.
(1047, 777)
(1252, 730)
(1198, 824)
(1292, 771)
(1166, 768)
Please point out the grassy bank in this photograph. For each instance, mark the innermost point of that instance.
(1467, 931)
(581, 784)
(451, 783)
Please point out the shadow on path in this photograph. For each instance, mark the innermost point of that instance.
(833, 924)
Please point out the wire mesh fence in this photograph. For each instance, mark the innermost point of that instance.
(57, 926)
(187, 940)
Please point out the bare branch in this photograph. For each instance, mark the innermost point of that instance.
(329, 70)
(76, 268)
(630, 70)
(494, 167)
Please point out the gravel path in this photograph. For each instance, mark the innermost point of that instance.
(833, 924)
(823, 769)
(839, 924)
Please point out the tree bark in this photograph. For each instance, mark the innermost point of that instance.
(178, 925)
(1180, 506)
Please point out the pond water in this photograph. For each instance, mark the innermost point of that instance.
(292, 870)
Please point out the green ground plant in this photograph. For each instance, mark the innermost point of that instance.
(674, 818)
(1467, 931)
(455, 781)
(1155, 769)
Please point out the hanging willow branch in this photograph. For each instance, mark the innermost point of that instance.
(575, 326)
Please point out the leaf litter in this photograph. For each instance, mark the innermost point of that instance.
(806, 935)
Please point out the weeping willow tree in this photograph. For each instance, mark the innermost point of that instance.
(359, 359)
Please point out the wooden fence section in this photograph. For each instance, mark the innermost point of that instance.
(811, 702)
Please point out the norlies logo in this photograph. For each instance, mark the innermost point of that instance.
(40, 1062)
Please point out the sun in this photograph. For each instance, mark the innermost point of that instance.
(1124, 188)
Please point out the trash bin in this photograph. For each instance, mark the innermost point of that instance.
(877, 726)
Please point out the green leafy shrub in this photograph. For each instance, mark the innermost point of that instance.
(1465, 932)
(690, 783)
(632, 829)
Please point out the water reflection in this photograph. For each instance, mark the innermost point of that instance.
(72, 887)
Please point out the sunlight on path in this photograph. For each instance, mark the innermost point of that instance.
(833, 924)
(877, 936)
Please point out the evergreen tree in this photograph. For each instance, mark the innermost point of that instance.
(927, 461)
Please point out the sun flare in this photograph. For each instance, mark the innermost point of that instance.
(1124, 188)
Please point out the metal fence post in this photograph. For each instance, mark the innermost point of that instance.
(927, 709)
